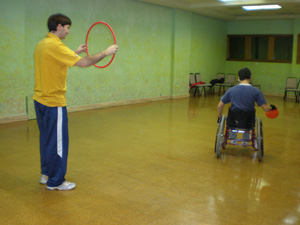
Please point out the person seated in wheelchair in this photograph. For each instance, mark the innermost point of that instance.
(241, 114)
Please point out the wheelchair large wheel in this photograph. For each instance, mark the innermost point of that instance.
(220, 136)
(259, 139)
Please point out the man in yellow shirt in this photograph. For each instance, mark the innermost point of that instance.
(52, 59)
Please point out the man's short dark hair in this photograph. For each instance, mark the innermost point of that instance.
(244, 74)
(56, 19)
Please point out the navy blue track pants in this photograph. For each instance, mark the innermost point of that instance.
(54, 142)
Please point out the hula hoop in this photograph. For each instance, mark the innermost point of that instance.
(86, 39)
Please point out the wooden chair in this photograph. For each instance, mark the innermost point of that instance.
(192, 81)
(229, 82)
(292, 86)
(218, 77)
(201, 86)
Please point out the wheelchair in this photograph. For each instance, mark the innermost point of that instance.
(230, 127)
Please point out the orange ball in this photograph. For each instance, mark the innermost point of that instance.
(272, 114)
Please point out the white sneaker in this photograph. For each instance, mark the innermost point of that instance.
(65, 186)
(43, 179)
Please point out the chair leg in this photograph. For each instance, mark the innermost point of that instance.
(284, 95)
(220, 90)
(204, 91)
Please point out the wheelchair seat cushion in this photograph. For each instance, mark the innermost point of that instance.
(241, 119)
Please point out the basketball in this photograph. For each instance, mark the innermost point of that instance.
(272, 114)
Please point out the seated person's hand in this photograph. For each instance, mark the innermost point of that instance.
(273, 107)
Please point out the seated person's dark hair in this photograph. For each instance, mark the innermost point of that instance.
(244, 74)
(56, 19)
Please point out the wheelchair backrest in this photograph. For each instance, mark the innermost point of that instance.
(241, 119)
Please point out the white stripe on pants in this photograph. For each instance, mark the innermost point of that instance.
(59, 132)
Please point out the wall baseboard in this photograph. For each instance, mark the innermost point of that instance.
(20, 118)
(118, 103)
(288, 96)
(180, 96)
(13, 119)
(274, 95)
(95, 106)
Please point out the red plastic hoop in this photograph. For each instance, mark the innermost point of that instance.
(86, 39)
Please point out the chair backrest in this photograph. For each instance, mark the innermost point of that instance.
(198, 77)
(230, 78)
(192, 79)
(220, 75)
(291, 82)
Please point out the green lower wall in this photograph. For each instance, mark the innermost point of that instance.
(200, 47)
(158, 48)
(13, 69)
(156, 51)
(271, 76)
(181, 51)
(209, 46)
(296, 67)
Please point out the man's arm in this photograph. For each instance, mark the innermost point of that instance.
(220, 109)
(268, 108)
(92, 59)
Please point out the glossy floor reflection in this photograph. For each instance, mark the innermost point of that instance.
(154, 163)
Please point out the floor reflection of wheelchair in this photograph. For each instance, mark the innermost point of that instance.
(229, 135)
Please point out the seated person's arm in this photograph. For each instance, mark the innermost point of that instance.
(220, 109)
(266, 108)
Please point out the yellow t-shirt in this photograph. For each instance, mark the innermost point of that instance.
(52, 58)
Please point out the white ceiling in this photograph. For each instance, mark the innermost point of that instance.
(232, 10)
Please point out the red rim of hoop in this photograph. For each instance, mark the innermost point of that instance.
(86, 39)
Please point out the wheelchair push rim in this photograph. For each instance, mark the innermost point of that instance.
(220, 136)
(259, 139)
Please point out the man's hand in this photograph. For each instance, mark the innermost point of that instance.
(220, 109)
(111, 50)
(80, 49)
(273, 107)
(92, 59)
